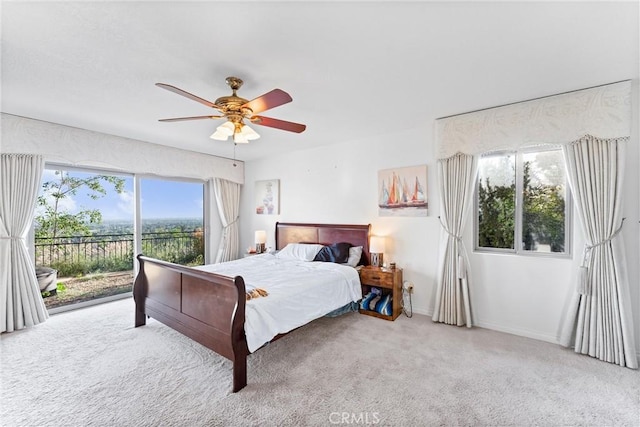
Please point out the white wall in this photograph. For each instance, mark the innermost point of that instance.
(339, 184)
(523, 295)
(79, 147)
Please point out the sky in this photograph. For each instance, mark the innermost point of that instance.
(159, 198)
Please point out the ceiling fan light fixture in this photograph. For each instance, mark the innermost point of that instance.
(238, 138)
(249, 133)
(226, 128)
(217, 135)
(236, 110)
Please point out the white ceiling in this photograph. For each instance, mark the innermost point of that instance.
(354, 69)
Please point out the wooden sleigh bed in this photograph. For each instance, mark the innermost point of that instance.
(210, 308)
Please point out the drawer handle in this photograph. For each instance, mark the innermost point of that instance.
(375, 277)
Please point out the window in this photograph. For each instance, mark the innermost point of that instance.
(173, 220)
(522, 197)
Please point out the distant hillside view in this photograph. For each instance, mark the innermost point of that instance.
(148, 225)
(108, 246)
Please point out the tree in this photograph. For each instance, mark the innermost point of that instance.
(496, 215)
(54, 221)
(543, 211)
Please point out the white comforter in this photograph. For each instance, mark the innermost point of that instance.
(299, 292)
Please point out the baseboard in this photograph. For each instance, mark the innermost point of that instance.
(423, 312)
(498, 327)
(85, 304)
(517, 331)
(512, 331)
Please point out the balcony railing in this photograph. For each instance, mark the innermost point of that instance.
(78, 255)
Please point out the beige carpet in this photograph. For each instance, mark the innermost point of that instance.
(91, 367)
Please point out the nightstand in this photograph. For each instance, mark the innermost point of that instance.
(389, 281)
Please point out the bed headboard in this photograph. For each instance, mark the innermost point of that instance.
(326, 234)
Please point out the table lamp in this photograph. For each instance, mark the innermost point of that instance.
(376, 249)
(261, 239)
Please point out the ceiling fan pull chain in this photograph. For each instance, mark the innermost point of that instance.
(234, 154)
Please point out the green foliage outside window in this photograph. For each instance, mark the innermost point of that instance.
(496, 215)
(54, 221)
(543, 214)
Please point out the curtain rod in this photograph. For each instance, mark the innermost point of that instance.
(532, 99)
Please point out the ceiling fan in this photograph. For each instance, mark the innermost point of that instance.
(236, 110)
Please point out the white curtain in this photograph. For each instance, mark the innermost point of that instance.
(228, 200)
(599, 321)
(456, 178)
(20, 299)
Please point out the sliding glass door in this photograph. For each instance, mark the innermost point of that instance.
(172, 220)
(86, 233)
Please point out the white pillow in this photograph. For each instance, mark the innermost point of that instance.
(300, 251)
(355, 253)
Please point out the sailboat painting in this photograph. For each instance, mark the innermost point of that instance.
(402, 191)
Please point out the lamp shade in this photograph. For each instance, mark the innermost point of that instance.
(239, 138)
(376, 244)
(217, 135)
(249, 133)
(261, 236)
(226, 128)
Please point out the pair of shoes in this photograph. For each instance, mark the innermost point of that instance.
(378, 302)
(384, 305)
(371, 299)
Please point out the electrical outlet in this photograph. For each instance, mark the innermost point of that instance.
(408, 286)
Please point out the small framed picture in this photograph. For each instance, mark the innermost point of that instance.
(268, 197)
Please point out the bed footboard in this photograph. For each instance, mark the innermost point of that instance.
(206, 307)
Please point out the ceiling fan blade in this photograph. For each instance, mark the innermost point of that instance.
(187, 94)
(278, 124)
(269, 100)
(180, 119)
